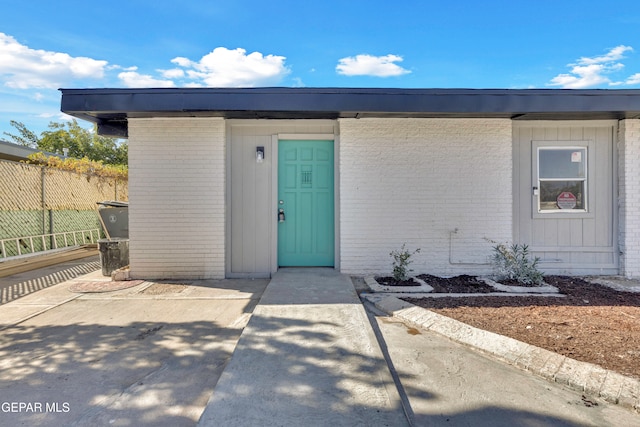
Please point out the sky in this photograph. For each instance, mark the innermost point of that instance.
(46, 45)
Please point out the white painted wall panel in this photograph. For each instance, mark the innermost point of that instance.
(629, 188)
(177, 197)
(442, 185)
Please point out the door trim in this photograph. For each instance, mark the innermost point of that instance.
(274, 190)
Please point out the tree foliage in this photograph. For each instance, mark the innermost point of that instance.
(25, 136)
(81, 142)
(82, 166)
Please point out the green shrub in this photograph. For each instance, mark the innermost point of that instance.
(514, 263)
(401, 261)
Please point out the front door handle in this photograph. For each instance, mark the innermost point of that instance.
(280, 215)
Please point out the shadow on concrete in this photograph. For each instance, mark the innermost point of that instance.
(133, 362)
(289, 372)
(122, 359)
(23, 284)
(489, 416)
(142, 373)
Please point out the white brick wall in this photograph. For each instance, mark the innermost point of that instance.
(629, 190)
(443, 185)
(177, 197)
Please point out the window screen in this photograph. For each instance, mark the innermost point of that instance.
(562, 179)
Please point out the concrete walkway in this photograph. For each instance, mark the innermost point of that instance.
(308, 357)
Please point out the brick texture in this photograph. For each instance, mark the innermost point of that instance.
(629, 190)
(442, 185)
(177, 188)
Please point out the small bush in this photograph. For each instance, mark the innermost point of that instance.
(514, 263)
(401, 261)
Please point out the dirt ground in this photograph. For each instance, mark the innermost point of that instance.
(591, 323)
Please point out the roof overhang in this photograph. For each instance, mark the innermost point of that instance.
(111, 108)
(17, 153)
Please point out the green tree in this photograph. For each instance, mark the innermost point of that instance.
(25, 136)
(81, 142)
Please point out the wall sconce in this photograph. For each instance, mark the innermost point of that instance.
(259, 154)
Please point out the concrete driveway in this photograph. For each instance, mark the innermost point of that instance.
(448, 384)
(160, 354)
(149, 354)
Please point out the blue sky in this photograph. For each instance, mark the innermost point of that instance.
(45, 45)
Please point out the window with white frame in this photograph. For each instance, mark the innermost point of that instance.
(562, 179)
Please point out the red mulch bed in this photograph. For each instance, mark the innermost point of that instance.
(592, 323)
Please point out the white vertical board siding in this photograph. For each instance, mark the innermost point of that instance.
(569, 243)
(629, 189)
(441, 185)
(177, 197)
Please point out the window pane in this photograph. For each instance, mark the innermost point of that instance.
(561, 195)
(563, 163)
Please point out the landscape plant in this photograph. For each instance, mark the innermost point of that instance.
(401, 260)
(513, 262)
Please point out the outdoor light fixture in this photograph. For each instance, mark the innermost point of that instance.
(259, 154)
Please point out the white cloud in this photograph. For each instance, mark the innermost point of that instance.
(135, 79)
(633, 80)
(581, 77)
(594, 71)
(174, 73)
(22, 67)
(615, 54)
(224, 67)
(183, 62)
(368, 65)
(119, 67)
(66, 117)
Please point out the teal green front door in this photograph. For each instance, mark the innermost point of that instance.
(305, 204)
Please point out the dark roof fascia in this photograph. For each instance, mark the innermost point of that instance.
(114, 106)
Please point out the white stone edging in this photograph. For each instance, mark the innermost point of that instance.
(377, 287)
(617, 283)
(546, 289)
(425, 288)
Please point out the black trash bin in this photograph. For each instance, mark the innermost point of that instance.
(115, 218)
(114, 254)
